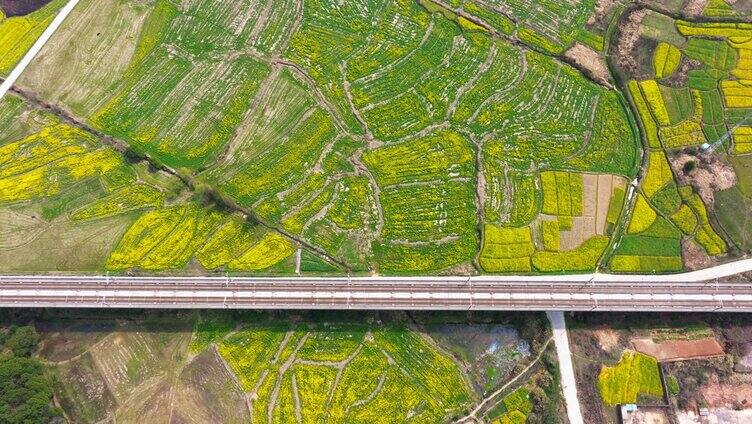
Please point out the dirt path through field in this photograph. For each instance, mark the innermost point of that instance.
(280, 373)
(471, 417)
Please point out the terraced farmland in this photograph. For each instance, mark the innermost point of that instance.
(400, 137)
(296, 367)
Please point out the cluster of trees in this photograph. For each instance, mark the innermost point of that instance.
(544, 391)
(25, 383)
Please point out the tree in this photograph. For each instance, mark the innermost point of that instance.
(25, 392)
(23, 341)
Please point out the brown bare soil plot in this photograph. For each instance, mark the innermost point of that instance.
(596, 195)
(679, 350)
(21, 7)
(207, 392)
(82, 391)
(589, 60)
(608, 338)
(716, 394)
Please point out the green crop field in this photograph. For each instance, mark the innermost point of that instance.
(347, 373)
(368, 137)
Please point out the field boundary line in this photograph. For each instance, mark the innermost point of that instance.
(36, 47)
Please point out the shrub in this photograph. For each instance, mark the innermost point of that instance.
(658, 173)
(634, 374)
(672, 384)
(685, 219)
(551, 239)
(666, 59)
(615, 205)
(583, 258)
(23, 341)
(643, 216)
(25, 392)
(652, 93)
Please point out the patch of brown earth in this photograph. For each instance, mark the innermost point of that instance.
(708, 174)
(601, 8)
(466, 268)
(590, 62)
(607, 338)
(678, 350)
(628, 34)
(596, 196)
(717, 394)
(679, 78)
(694, 256)
(647, 415)
(21, 7)
(694, 8)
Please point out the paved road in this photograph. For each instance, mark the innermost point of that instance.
(568, 383)
(581, 293)
(36, 47)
